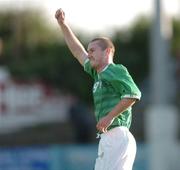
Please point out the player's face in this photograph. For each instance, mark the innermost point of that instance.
(95, 54)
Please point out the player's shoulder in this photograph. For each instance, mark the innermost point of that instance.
(117, 69)
(113, 71)
(88, 68)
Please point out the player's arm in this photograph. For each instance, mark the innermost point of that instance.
(71, 40)
(106, 121)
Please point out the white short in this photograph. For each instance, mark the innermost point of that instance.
(117, 150)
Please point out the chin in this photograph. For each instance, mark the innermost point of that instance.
(93, 65)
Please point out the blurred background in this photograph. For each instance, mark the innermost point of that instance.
(46, 106)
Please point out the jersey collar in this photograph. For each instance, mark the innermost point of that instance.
(105, 68)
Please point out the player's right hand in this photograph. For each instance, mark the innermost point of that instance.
(60, 16)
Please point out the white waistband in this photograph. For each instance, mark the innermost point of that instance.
(123, 128)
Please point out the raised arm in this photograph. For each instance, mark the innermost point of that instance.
(71, 40)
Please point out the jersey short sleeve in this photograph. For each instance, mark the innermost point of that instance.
(122, 81)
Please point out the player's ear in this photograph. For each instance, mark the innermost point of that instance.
(108, 51)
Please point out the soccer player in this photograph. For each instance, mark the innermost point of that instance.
(114, 93)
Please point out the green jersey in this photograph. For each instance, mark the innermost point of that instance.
(111, 85)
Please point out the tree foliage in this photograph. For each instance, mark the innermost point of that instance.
(33, 51)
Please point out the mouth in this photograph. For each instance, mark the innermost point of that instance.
(91, 58)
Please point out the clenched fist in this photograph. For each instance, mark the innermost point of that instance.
(60, 16)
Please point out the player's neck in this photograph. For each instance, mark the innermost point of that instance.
(103, 67)
(108, 60)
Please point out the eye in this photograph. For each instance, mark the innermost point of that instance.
(90, 50)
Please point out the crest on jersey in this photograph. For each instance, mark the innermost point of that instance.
(97, 85)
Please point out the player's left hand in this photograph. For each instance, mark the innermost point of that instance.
(60, 16)
(104, 123)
